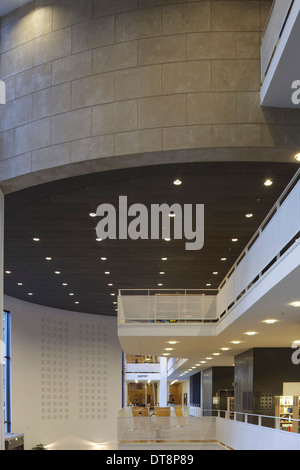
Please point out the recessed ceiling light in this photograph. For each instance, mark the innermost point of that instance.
(234, 239)
(208, 285)
(251, 333)
(162, 272)
(235, 342)
(295, 304)
(268, 182)
(103, 258)
(167, 239)
(297, 157)
(76, 302)
(166, 354)
(172, 342)
(112, 294)
(20, 283)
(92, 214)
(215, 273)
(164, 259)
(57, 272)
(110, 285)
(249, 216)
(8, 272)
(209, 358)
(223, 259)
(107, 272)
(270, 322)
(64, 284)
(203, 362)
(30, 293)
(225, 349)
(177, 182)
(160, 285)
(36, 239)
(216, 354)
(48, 258)
(98, 239)
(71, 293)
(115, 303)
(169, 349)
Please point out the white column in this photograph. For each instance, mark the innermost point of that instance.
(163, 388)
(1, 321)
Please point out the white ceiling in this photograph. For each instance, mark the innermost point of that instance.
(274, 304)
(6, 6)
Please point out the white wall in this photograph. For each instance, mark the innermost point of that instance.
(66, 377)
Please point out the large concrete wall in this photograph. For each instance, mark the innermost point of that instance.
(103, 84)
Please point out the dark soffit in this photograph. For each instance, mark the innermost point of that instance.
(58, 214)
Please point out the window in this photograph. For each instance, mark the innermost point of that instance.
(6, 372)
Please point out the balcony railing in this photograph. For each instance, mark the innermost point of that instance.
(238, 430)
(278, 234)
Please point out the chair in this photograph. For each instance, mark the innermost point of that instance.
(163, 415)
(179, 415)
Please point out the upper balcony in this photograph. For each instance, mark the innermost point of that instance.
(268, 264)
(280, 67)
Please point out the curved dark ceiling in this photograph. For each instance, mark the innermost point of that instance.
(58, 214)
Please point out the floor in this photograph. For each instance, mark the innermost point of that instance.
(175, 447)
